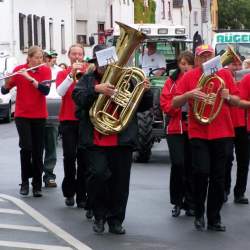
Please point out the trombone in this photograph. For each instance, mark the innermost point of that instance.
(15, 73)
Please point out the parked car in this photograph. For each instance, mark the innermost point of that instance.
(7, 102)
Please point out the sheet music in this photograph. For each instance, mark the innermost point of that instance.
(106, 56)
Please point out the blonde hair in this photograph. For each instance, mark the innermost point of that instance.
(33, 50)
(246, 64)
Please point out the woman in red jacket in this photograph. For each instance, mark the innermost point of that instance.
(177, 139)
(30, 116)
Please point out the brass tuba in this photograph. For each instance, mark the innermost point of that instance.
(205, 111)
(110, 115)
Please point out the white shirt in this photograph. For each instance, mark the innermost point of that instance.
(151, 62)
(53, 93)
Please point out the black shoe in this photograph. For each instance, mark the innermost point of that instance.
(190, 212)
(81, 204)
(117, 229)
(37, 193)
(70, 201)
(216, 227)
(89, 214)
(98, 226)
(199, 223)
(24, 190)
(176, 211)
(241, 200)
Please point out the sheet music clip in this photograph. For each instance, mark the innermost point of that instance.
(212, 66)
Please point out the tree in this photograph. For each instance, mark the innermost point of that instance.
(234, 14)
(144, 11)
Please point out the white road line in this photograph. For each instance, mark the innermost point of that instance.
(10, 211)
(24, 228)
(46, 223)
(25, 245)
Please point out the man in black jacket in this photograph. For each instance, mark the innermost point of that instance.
(109, 157)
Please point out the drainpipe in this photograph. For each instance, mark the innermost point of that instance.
(73, 20)
(12, 44)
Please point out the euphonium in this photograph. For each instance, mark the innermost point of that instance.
(111, 115)
(206, 110)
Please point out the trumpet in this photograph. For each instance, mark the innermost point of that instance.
(16, 73)
(86, 68)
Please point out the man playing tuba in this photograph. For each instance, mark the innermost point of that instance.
(109, 157)
(210, 142)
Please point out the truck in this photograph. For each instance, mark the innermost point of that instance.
(238, 39)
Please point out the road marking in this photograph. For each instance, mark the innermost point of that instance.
(24, 228)
(10, 211)
(47, 224)
(25, 245)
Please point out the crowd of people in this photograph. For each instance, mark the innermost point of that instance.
(97, 167)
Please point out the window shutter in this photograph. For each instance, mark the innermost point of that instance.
(30, 38)
(43, 32)
(21, 31)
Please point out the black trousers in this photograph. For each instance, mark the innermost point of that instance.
(74, 176)
(108, 181)
(181, 175)
(209, 160)
(31, 142)
(241, 145)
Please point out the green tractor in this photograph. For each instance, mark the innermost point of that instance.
(152, 124)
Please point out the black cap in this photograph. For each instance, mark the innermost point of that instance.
(97, 48)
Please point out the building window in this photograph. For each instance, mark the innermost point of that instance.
(177, 3)
(43, 33)
(63, 49)
(196, 18)
(30, 33)
(111, 16)
(124, 1)
(163, 9)
(169, 11)
(100, 30)
(128, 2)
(51, 34)
(37, 30)
(81, 32)
(21, 31)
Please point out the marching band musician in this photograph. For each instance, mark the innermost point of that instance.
(74, 177)
(109, 157)
(181, 190)
(30, 117)
(209, 142)
(240, 144)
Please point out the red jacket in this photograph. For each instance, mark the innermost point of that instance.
(30, 102)
(222, 125)
(176, 124)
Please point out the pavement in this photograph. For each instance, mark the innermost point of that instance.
(46, 223)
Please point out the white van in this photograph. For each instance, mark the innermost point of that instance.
(7, 102)
(239, 40)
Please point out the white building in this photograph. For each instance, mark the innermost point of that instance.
(195, 15)
(96, 18)
(46, 23)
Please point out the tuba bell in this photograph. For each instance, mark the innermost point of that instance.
(205, 111)
(110, 115)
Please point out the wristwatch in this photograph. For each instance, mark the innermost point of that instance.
(70, 75)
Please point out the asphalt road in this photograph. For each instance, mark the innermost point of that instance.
(148, 223)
